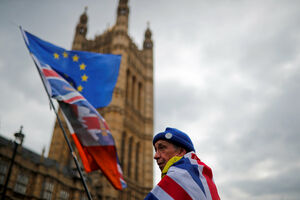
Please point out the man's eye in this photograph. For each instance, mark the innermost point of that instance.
(161, 147)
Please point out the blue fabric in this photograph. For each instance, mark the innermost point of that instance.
(177, 137)
(150, 196)
(94, 75)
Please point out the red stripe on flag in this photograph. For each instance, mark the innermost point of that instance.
(207, 173)
(50, 73)
(92, 122)
(74, 99)
(173, 189)
(106, 158)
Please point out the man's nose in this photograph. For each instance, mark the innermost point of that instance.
(156, 155)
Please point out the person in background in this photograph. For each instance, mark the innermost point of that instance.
(184, 175)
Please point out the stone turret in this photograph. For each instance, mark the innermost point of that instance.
(148, 57)
(80, 32)
(122, 16)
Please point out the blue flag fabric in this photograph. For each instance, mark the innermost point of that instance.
(94, 75)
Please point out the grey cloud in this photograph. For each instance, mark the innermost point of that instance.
(281, 186)
(175, 102)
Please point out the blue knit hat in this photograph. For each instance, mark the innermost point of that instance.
(176, 137)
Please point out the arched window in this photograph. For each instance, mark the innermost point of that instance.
(123, 148)
(133, 92)
(137, 161)
(140, 96)
(129, 156)
(127, 85)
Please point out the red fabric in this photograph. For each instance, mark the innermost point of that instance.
(173, 189)
(74, 99)
(100, 157)
(88, 162)
(50, 73)
(207, 173)
(92, 122)
(105, 157)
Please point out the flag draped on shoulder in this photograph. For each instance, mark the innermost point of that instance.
(94, 75)
(187, 179)
(88, 128)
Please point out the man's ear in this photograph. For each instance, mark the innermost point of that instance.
(181, 152)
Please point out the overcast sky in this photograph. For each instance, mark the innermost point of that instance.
(226, 72)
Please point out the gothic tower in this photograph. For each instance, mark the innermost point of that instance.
(130, 113)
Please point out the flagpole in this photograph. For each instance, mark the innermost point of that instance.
(65, 136)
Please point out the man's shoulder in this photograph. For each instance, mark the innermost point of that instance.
(190, 165)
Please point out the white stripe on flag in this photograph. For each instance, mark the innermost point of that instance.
(46, 66)
(159, 193)
(68, 96)
(202, 178)
(185, 180)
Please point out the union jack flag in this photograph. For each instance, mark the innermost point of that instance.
(88, 128)
(187, 179)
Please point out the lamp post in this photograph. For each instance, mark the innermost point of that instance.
(19, 137)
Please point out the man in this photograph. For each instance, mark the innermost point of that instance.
(184, 176)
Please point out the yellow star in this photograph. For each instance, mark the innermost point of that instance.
(79, 88)
(82, 66)
(84, 78)
(65, 54)
(75, 58)
(56, 56)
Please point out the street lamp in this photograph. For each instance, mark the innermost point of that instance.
(19, 137)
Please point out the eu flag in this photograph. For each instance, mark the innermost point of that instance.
(94, 75)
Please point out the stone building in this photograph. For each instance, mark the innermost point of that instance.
(129, 116)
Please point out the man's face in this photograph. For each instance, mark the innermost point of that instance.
(164, 151)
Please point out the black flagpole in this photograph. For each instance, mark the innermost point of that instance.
(65, 136)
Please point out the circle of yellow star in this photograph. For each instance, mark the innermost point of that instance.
(82, 66)
(56, 56)
(79, 88)
(75, 58)
(84, 78)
